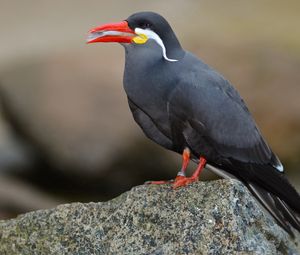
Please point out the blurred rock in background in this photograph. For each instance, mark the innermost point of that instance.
(66, 132)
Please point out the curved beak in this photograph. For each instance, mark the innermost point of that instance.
(113, 32)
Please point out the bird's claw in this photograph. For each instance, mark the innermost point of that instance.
(182, 181)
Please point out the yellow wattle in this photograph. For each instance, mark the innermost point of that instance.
(140, 39)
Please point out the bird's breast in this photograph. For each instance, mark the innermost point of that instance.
(149, 89)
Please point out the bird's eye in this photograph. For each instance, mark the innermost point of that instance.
(146, 25)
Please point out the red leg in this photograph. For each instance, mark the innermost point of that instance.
(185, 161)
(187, 180)
(181, 174)
(201, 165)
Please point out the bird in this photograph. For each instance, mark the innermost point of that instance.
(186, 106)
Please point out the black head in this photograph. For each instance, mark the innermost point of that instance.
(151, 21)
(159, 25)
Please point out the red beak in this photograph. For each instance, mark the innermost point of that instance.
(113, 32)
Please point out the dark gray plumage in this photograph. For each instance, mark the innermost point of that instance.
(185, 103)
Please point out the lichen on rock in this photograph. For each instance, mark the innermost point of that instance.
(217, 217)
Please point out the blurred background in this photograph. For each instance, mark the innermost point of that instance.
(66, 132)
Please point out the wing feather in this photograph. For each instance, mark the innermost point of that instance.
(206, 97)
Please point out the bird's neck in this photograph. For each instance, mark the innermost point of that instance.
(173, 46)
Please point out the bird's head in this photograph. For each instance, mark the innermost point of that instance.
(138, 29)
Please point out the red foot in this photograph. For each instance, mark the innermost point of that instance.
(159, 182)
(182, 181)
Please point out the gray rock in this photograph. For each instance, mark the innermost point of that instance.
(218, 217)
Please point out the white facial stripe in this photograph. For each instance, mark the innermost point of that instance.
(152, 35)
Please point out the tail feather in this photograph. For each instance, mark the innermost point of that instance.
(287, 212)
(282, 214)
(278, 185)
(272, 189)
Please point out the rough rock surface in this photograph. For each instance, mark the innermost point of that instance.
(218, 217)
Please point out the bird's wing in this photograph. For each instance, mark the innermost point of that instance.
(214, 109)
(149, 127)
